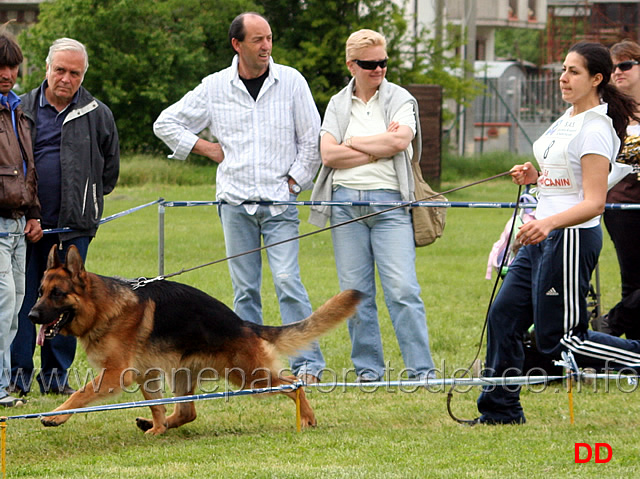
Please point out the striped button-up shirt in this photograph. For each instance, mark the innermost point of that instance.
(264, 140)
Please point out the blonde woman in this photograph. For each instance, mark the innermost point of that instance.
(369, 136)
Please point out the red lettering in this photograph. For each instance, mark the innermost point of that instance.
(598, 446)
(609, 450)
(579, 445)
(554, 182)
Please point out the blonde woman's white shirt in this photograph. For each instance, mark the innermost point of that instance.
(368, 119)
(559, 152)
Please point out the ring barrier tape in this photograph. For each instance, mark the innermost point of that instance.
(481, 381)
(158, 402)
(101, 222)
(434, 204)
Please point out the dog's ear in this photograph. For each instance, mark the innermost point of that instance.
(53, 261)
(74, 261)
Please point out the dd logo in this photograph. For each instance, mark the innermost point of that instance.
(598, 446)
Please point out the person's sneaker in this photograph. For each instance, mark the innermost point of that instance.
(10, 401)
(602, 324)
(488, 421)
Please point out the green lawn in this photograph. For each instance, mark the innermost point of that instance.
(360, 434)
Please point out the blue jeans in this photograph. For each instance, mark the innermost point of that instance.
(385, 241)
(242, 232)
(57, 354)
(12, 266)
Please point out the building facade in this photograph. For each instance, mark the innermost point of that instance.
(19, 14)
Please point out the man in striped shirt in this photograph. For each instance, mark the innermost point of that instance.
(266, 124)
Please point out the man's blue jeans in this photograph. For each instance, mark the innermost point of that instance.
(385, 241)
(243, 232)
(13, 251)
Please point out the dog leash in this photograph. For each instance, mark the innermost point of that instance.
(142, 281)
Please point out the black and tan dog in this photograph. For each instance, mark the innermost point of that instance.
(132, 335)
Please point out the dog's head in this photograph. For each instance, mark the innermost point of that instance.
(60, 294)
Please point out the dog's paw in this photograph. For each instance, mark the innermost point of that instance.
(144, 424)
(53, 421)
(148, 427)
(308, 422)
(155, 431)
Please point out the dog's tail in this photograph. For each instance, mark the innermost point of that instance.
(295, 337)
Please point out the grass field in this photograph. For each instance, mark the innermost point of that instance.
(361, 434)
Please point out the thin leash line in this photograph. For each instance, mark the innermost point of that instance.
(142, 281)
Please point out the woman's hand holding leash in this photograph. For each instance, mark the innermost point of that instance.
(533, 232)
(524, 174)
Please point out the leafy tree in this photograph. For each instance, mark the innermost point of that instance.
(143, 55)
(146, 54)
(430, 63)
(519, 44)
(311, 36)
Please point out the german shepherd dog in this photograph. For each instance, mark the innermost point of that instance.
(132, 335)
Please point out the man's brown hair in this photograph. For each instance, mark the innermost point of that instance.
(10, 51)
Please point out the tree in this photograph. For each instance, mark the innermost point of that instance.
(311, 36)
(146, 54)
(431, 63)
(519, 44)
(143, 55)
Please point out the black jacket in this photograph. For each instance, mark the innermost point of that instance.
(89, 160)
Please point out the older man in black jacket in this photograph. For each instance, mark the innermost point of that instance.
(77, 157)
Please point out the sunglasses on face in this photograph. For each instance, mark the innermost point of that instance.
(625, 66)
(369, 65)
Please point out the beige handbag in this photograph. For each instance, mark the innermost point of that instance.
(428, 222)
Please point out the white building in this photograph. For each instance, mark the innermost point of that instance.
(20, 14)
(481, 17)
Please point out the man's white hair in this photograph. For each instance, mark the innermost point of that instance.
(67, 44)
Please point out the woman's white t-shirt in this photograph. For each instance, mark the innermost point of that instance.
(559, 151)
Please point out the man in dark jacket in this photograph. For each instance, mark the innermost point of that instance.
(19, 207)
(77, 158)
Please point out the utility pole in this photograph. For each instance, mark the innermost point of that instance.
(469, 24)
(438, 27)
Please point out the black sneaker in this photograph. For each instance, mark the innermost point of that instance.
(488, 421)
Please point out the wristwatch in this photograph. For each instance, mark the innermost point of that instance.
(295, 187)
